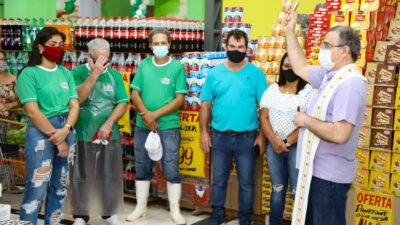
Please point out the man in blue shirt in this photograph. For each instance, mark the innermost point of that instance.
(231, 94)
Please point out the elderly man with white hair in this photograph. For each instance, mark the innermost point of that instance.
(97, 182)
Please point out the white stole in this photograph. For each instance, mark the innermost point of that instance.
(310, 142)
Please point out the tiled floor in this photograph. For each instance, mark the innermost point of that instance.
(157, 214)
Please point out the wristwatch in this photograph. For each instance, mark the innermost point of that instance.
(286, 142)
(70, 128)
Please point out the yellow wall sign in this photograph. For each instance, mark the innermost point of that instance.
(373, 208)
(191, 157)
(125, 123)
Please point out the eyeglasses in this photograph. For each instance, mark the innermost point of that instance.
(326, 45)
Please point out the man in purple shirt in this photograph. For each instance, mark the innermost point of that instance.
(334, 163)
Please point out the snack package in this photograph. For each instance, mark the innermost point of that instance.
(369, 5)
(384, 96)
(370, 72)
(394, 31)
(386, 75)
(379, 181)
(380, 50)
(350, 5)
(340, 18)
(381, 139)
(367, 116)
(380, 161)
(395, 168)
(395, 184)
(382, 118)
(393, 54)
(362, 178)
(364, 137)
(362, 157)
(360, 20)
(396, 141)
(370, 94)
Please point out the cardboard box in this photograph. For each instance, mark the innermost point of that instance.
(381, 139)
(394, 31)
(362, 178)
(370, 72)
(379, 181)
(380, 50)
(367, 116)
(384, 96)
(350, 5)
(364, 137)
(395, 184)
(382, 118)
(396, 141)
(362, 157)
(397, 100)
(380, 161)
(396, 120)
(340, 18)
(370, 95)
(386, 74)
(395, 167)
(393, 54)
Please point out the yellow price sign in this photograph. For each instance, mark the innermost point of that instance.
(125, 123)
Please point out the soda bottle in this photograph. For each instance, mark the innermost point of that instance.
(108, 32)
(82, 59)
(148, 29)
(20, 61)
(132, 35)
(17, 40)
(130, 64)
(173, 31)
(121, 63)
(129, 181)
(65, 27)
(101, 28)
(125, 34)
(201, 36)
(33, 30)
(85, 33)
(67, 61)
(4, 33)
(78, 33)
(10, 34)
(73, 59)
(141, 35)
(117, 34)
(94, 23)
(114, 61)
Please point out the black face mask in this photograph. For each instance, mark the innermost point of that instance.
(236, 56)
(289, 75)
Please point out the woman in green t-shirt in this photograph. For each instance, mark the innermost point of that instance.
(48, 94)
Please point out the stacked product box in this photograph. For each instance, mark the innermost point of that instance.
(270, 49)
(379, 141)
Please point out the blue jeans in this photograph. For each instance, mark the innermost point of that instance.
(327, 203)
(170, 159)
(226, 147)
(47, 174)
(282, 167)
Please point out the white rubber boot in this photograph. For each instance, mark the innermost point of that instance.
(79, 221)
(174, 195)
(142, 194)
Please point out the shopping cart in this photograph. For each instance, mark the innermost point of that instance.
(12, 164)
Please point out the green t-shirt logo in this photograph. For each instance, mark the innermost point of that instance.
(64, 85)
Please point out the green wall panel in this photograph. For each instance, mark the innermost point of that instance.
(29, 8)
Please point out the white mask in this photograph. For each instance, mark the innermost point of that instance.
(325, 60)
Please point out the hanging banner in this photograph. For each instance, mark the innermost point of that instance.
(125, 123)
(373, 208)
(191, 157)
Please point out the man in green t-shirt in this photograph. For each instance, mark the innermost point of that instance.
(98, 166)
(159, 88)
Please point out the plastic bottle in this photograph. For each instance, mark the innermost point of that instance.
(85, 33)
(82, 59)
(125, 34)
(94, 23)
(33, 30)
(4, 34)
(78, 33)
(73, 59)
(132, 35)
(67, 60)
(20, 61)
(101, 28)
(130, 64)
(108, 32)
(117, 34)
(121, 63)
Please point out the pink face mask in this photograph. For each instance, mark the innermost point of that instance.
(3, 65)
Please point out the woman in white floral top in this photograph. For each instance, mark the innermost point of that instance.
(278, 106)
(8, 95)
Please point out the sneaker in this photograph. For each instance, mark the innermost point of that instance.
(79, 221)
(113, 220)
